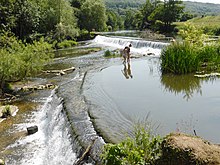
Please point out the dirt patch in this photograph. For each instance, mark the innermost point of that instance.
(184, 149)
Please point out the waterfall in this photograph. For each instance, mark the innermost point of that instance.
(139, 45)
(52, 144)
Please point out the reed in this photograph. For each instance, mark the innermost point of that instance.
(180, 58)
(209, 55)
(185, 57)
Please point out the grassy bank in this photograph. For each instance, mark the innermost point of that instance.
(175, 148)
(209, 24)
(191, 54)
(182, 58)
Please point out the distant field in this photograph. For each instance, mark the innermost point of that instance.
(210, 24)
(206, 21)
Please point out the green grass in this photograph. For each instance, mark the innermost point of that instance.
(185, 57)
(209, 24)
(109, 54)
(179, 58)
(143, 148)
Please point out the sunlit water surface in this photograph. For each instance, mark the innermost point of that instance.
(125, 93)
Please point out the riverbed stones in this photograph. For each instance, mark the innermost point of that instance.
(31, 130)
(37, 87)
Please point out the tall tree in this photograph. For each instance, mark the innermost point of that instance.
(167, 13)
(7, 18)
(93, 15)
(67, 26)
(146, 10)
(26, 16)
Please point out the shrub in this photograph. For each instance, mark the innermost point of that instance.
(110, 54)
(107, 53)
(179, 58)
(191, 34)
(19, 60)
(210, 55)
(191, 54)
(66, 44)
(6, 111)
(143, 148)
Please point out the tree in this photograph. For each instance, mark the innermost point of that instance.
(77, 3)
(167, 13)
(21, 17)
(114, 20)
(7, 19)
(130, 19)
(67, 27)
(18, 60)
(146, 11)
(93, 15)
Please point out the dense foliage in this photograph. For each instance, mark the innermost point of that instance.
(19, 60)
(143, 148)
(27, 18)
(93, 15)
(199, 9)
(192, 54)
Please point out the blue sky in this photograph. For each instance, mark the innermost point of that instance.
(205, 1)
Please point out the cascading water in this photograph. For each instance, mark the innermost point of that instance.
(65, 124)
(52, 144)
(139, 46)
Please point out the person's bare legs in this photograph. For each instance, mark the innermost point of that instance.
(128, 57)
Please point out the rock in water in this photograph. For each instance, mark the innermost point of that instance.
(32, 130)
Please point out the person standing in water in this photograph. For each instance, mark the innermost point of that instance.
(127, 71)
(126, 53)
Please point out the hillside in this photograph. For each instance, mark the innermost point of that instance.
(202, 8)
(210, 24)
(196, 8)
(124, 3)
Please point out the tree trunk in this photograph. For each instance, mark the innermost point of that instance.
(2, 84)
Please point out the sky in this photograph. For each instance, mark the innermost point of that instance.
(205, 1)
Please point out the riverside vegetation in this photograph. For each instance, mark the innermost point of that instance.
(192, 54)
(23, 53)
(146, 148)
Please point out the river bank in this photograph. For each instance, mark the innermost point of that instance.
(81, 111)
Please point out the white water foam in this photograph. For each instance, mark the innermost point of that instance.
(139, 46)
(51, 145)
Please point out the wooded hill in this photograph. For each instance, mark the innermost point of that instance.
(196, 8)
(124, 3)
(202, 8)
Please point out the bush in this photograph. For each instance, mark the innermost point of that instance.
(110, 54)
(6, 111)
(66, 44)
(190, 55)
(179, 58)
(143, 148)
(107, 53)
(85, 35)
(19, 60)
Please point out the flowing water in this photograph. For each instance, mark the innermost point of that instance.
(102, 98)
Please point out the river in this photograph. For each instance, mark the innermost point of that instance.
(101, 101)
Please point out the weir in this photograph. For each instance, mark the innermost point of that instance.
(138, 45)
(66, 125)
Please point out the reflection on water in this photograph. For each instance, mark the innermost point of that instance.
(185, 84)
(127, 70)
(175, 103)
